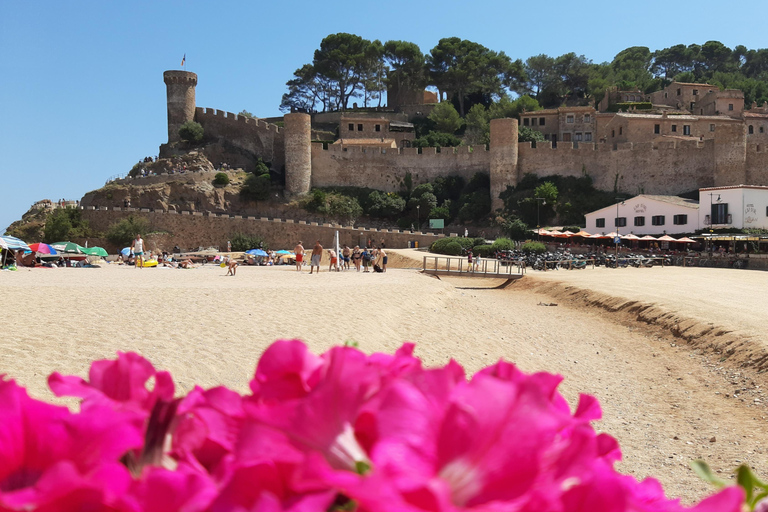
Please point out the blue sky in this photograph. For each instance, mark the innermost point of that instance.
(81, 83)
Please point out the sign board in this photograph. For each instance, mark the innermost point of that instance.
(436, 223)
(617, 240)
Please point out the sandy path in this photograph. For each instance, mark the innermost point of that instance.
(663, 401)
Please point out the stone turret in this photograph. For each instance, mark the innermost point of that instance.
(503, 158)
(298, 153)
(180, 87)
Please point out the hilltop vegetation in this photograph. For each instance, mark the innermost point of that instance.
(347, 66)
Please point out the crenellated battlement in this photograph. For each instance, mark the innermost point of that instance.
(206, 114)
(437, 153)
(180, 77)
(570, 148)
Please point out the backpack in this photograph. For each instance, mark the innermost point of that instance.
(366, 256)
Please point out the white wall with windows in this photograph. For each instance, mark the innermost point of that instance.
(741, 207)
(647, 215)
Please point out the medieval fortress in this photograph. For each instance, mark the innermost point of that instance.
(698, 137)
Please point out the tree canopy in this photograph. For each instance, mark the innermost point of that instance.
(347, 66)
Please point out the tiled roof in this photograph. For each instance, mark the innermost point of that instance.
(758, 187)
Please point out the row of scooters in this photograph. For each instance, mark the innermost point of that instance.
(566, 260)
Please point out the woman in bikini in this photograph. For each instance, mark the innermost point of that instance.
(357, 256)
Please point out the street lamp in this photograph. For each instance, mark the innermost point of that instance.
(539, 201)
(418, 217)
(619, 201)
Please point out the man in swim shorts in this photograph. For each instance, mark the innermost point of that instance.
(299, 252)
(346, 253)
(137, 246)
(334, 260)
(317, 254)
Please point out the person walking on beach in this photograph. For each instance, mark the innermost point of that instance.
(382, 259)
(299, 252)
(137, 247)
(317, 254)
(346, 253)
(357, 255)
(334, 260)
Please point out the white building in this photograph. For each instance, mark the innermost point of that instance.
(647, 215)
(740, 207)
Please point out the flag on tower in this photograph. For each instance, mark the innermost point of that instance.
(183, 60)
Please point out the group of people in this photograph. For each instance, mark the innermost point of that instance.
(366, 258)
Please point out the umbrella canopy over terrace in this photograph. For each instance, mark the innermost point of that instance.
(649, 238)
(666, 238)
(685, 240)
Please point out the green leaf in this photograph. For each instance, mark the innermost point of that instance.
(746, 480)
(704, 472)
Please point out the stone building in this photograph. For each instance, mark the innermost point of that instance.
(389, 133)
(566, 124)
(680, 95)
(613, 96)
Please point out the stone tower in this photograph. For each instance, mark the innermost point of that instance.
(298, 153)
(503, 158)
(180, 86)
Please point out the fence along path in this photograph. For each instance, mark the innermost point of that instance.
(480, 267)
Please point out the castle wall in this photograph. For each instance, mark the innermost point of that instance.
(243, 137)
(385, 169)
(757, 165)
(191, 230)
(663, 168)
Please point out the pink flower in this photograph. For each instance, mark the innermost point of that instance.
(208, 426)
(51, 459)
(161, 490)
(120, 382)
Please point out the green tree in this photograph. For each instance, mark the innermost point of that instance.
(256, 188)
(121, 233)
(540, 74)
(407, 69)
(191, 132)
(57, 227)
(344, 59)
(478, 126)
(445, 117)
(308, 89)
(460, 67)
(527, 134)
(632, 65)
(436, 140)
(244, 242)
(245, 113)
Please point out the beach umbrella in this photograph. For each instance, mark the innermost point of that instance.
(13, 243)
(125, 251)
(95, 251)
(43, 248)
(3, 245)
(68, 247)
(283, 251)
(256, 252)
(686, 240)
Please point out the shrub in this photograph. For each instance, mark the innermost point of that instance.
(382, 204)
(343, 208)
(453, 248)
(440, 212)
(534, 247)
(639, 105)
(478, 240)
(191, 131)
(503, 244)
(221, 179)
(441, 246)
(485, 251)
(426, 201)
(422, 189)
(256, 188)
(123, 231)
(244, 242)
(476, 206)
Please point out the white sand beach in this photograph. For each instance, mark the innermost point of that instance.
(667, 399)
